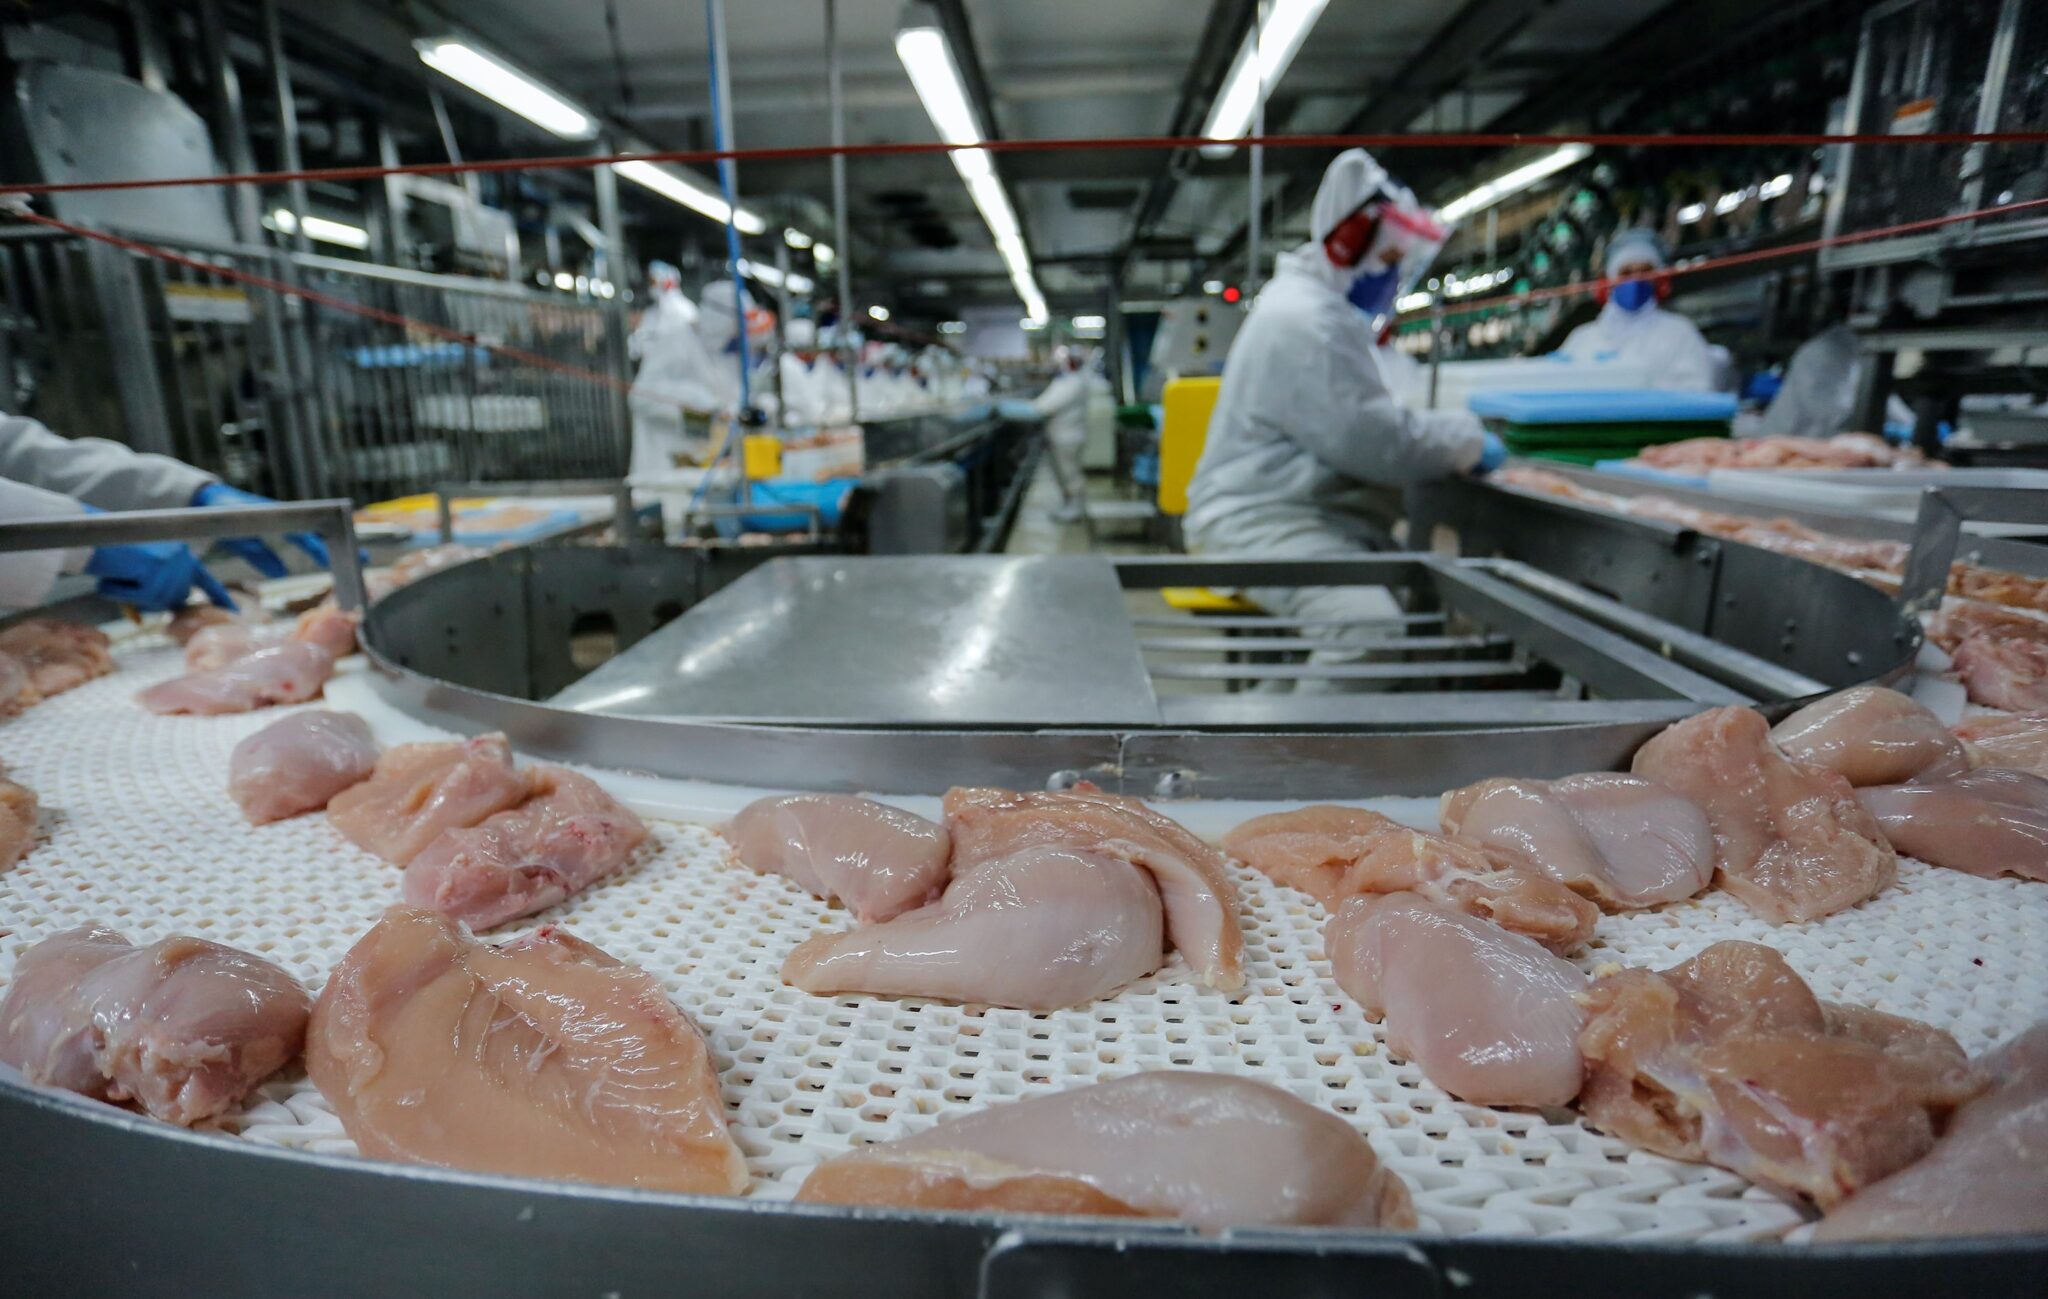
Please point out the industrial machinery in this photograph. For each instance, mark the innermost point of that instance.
(907, 676)
(1957, 308)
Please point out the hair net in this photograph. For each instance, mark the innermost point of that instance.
(1351, 180)
(1634, 245)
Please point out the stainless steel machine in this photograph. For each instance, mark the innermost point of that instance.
(1566, 637)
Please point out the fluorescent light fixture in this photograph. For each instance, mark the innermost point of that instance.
(583, 284)
(506, 86)
(773, 277)
(1279, 37)
(952, 326)
(671, 185)
(320, 228)
(1090, 322)
(564, 281)
(605, 289)
(823, 255)
(1413, 301)
(928, 60)
(1514, 182)
(796, 238)
(879, 312)
(1730, 201)
(1776, 186)
(1033, 323)
(1212, 287)
(1691, 213)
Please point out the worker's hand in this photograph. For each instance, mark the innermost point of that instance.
(1492, 456)
(154, 575)
(253, 551)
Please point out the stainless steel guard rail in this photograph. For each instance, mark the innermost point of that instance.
(332, 521)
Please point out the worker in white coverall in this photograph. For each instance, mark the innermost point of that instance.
(1633, 330)
(718, 331)
(1307, 447)
(1064, 408)
(43, 475)
(674, 375)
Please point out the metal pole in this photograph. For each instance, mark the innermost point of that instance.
(781, 328)
(1436, 349)
(287, 122)
(615, 270)
(1253, 229)
(394, 196)
(729, 181)
(841, 246)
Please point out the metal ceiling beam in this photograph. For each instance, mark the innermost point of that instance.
(1222, 35)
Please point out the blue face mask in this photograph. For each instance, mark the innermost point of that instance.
(1373, 293)
(1633, 295)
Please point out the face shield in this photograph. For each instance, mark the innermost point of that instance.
(1405, 241)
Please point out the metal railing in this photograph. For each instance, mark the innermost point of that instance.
(297, 398)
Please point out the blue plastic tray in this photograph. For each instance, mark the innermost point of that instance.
(1634, 406)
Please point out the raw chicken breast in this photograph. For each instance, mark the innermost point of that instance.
(1729, 1059)
(1489, 1016)
(1988, 1175)
(419, 791)
(2000, 740)
(195, 618)
(1210, 1150)
(296, 764)
(17, 690)
(1991, 821)
(881, 861)
(1790, 840)
(1043, 928)
(324, 625)
(290, 673)
(542, 1058)
(1193, 878)
(1623, 841)
(59, 655)
(19, 811)
(1336, 853)
(184, 1028)
(567, 836)
(1997, 671)
(1869, 736)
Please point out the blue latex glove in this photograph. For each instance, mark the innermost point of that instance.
(154, 575)
(1492, 456)
(257, 554)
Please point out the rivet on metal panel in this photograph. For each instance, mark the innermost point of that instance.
(1174, 784)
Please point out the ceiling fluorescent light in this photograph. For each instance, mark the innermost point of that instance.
(928, 60)
(506, 86)
(774, 278)
(796, 238)
(327, 232)
(1514, 182)
(1279, 37)
(671, 185)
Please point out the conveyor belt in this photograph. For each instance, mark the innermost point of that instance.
(141, 834)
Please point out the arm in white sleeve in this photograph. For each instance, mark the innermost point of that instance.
(103, 474)
(1352, 423)
(26, 576)
(1063, 393)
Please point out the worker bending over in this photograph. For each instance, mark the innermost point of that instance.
(1307, 446)
(1633, 330)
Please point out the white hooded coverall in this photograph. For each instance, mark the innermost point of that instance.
(674, 374)
(1307, 447)
(1064, 408)
(1663, 343)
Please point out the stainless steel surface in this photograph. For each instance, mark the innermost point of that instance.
(1412, 710)
(1255, 643)
(124, 1205)
(1439, 669)
(938, 640)
(1938, 532)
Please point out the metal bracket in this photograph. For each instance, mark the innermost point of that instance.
(618, 489)
(333, 521)
(1938, 531)
(1079, 1263)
